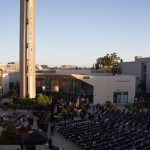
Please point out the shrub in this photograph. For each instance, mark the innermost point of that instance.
(43, 99)
(23, 103)
(132, 107)
(111, 106)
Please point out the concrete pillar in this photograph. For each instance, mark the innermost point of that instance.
(27, 48)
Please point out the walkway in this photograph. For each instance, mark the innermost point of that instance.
(58, 140)
(61, 142)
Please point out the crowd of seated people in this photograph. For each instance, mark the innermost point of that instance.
(110, 130)
(16, 117)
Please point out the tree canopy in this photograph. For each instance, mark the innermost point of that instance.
(109, 63)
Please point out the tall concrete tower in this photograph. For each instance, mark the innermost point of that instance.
(27, 48)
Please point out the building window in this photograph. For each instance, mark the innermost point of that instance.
(120, 97)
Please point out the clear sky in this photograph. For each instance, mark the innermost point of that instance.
(77, 32)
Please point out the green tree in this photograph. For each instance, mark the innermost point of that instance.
(109, 63)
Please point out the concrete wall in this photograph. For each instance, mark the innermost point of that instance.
(10, 67)
(14, 77)
(1, 78)
(27, 48)
(148, 77)
(132, 68)
(5, 84)
(105, 86)
(80, 71)
(137, 68)
(143, 59)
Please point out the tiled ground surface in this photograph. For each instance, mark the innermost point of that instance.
(58, 140)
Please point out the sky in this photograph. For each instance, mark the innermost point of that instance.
(77, 32)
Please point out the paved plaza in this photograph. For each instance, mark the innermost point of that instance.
(58, 140)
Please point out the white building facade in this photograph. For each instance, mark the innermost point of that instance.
(106, 87)
(117, 89)
(5, 82)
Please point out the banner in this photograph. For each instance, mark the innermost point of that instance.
(54, 85)
(75, 87)
(64, 85)
(70, 85)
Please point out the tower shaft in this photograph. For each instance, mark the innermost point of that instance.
(27, 48)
